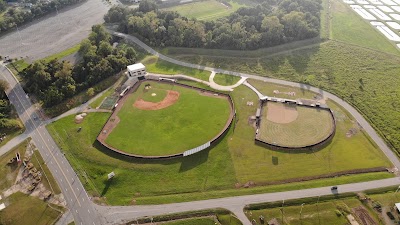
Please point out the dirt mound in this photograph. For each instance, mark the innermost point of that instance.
(170, 99)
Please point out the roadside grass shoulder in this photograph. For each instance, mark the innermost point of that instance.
(47, 179)
(63, 54)
(191, 221)
(225, 79)
(8, 173)
(24, 209)
(155, 65)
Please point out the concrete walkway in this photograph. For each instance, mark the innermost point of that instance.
(13, 142)
(221, 87)
(209, 83)
(259, 94)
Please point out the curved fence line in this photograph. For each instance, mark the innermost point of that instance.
(192, 151)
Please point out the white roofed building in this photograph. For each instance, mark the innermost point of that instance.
(137, 70)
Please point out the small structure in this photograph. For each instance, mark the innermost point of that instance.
(110, 175)
(397, 207)
(137, 70)
(2, 206)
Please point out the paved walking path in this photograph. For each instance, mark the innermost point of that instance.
(221, 87)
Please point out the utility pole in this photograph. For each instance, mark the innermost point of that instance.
(319, 219)
(283, 202)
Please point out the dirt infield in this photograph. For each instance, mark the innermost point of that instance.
(282, 113)
(170, 99)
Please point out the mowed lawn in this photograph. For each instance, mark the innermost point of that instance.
(311, 126)
(206, 10)
(135, 179)
(24, 209)
(192, 221)
(225, 79)
(190, 122)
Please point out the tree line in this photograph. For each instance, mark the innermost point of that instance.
(6, 123)
(270, 23)
(54, 81)
(18, 16)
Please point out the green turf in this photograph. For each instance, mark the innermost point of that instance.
(154, 94)
(310, 126)
(225, 79)
(212, 174)
(228, 219)
(47, 178)
(348, 26)
(136, 178)
(192, 121)
(192, 221)
(155, 65)
(364, 78)
(24, 209)
(206, 10)
(9, 173)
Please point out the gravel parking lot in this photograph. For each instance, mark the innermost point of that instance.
(54, 33)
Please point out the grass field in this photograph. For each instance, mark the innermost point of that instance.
(225, 79)
(190, 122)
(63, 54)
(349, 27)
(214, 173)
(7, 173)
(197, 221)
(206, 10)
(310, 126)
(156, 65)
(28, 210)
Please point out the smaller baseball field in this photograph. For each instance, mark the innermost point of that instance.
(160, 119)
(294, 126)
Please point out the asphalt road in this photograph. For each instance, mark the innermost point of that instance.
(54, 33)
(78, 201)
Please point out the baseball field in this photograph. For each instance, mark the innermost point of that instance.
(294, 126)
(164, 118)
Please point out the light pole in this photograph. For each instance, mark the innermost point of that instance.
(283, 202)
(301, 209)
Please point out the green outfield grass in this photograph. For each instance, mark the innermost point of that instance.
(192, 121)
(206, 10)
(346, 25)
(225, 79)
(28, 210)
(155, 65)
(311, 126)
(213, 173)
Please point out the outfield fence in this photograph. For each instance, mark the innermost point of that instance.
(101, 139)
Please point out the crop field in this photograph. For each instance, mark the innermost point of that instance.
(169, 125)
(294, 126)
(206, 10)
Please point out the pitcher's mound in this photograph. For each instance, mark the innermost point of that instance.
(281, 113)
(170, 99)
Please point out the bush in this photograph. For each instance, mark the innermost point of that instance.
(338, 213)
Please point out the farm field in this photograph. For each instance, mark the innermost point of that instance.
(236, 160)
(191, 121)
(294, 126)
(206, 10)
